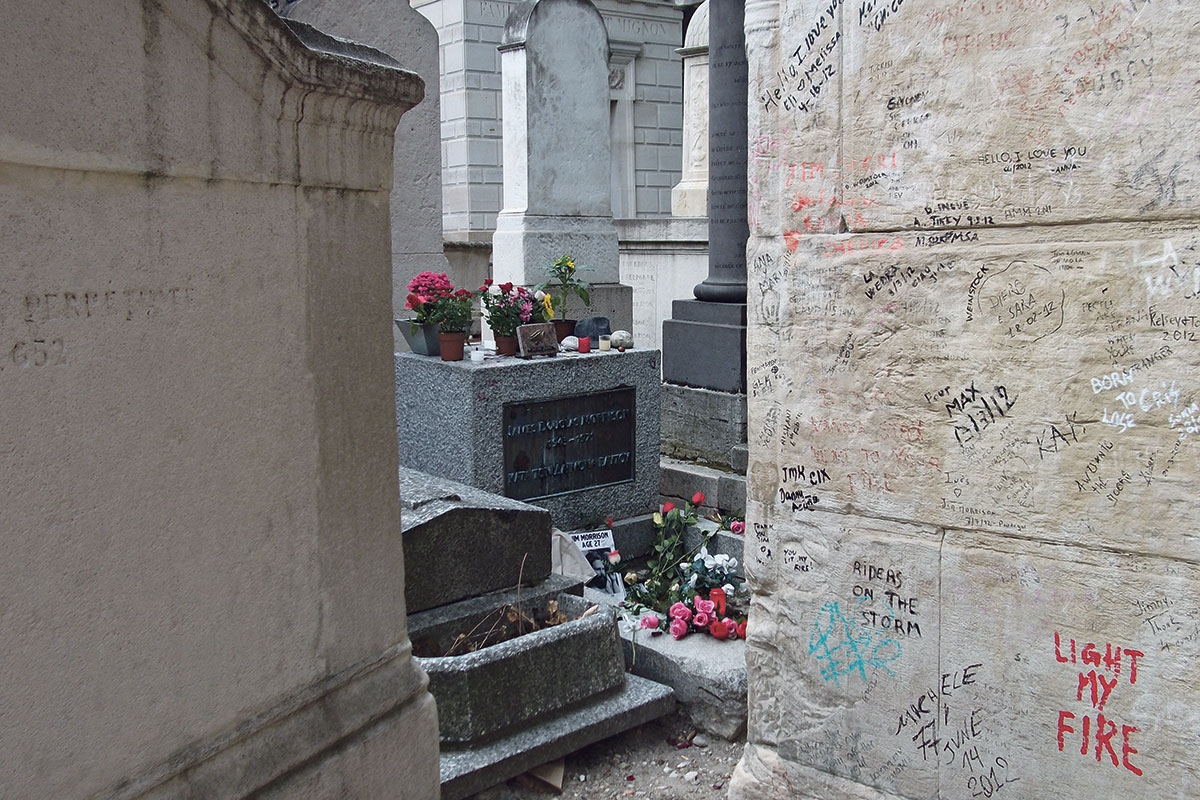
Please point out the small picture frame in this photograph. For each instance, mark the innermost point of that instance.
(537, 339)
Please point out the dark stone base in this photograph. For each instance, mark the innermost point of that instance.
(704, 345)
(505, 542)
(703, 425)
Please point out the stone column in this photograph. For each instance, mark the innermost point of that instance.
(554, 60)
(727, 227)
(689, 198)
(704, 343)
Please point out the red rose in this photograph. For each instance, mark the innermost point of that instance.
(719, 629)
(609, 521)
(698, 499)
(741, 629)
(717, 596)
(668, 507)
(506, 287)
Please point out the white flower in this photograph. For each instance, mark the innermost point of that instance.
(540, 295)
(728, 589)
(692, 582)
(494, 289)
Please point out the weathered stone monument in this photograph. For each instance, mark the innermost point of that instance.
(974, 386)
(396, 29)
(554, 59)
(202, 591)
(516, 684)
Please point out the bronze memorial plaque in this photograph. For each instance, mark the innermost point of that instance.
(568, 443)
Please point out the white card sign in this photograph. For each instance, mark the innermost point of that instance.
(593, 540)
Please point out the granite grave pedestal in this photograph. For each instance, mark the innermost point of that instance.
(575, 434)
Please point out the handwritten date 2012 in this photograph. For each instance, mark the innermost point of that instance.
(987, 784)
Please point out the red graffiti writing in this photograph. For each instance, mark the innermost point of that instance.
(1095, 686)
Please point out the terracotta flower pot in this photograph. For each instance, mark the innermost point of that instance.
(506, 345)
(452, 345)
(563, 328)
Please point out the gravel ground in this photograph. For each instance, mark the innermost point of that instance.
(661, 760)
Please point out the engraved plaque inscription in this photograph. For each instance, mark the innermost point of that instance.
(568, 443)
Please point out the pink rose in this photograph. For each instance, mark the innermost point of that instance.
(668, 507)
(704, 606)
(701, 619)
(738, 527)
(679, 628)
(650, 622)
(680, 611)
(614, 556)
(698, 499)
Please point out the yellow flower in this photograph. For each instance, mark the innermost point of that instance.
(549, 306)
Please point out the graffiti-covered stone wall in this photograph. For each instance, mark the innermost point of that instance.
(974, 406)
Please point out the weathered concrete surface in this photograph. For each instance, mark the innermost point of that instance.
(200, 592)
(975, 257)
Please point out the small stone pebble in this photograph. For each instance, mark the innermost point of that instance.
(691, 776)
(700, 740)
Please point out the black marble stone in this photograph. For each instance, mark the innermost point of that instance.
(593, 328)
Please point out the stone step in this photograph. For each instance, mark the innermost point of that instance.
(638, 701)
(708, 676)
(724, 491)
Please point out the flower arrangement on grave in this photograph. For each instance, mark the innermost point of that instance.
(424, 291)
(452, 313)
(506, 306)
(685, 591)
(561, 282)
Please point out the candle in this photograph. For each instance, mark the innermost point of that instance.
(605, 342)
(585, 344)
(477, 356)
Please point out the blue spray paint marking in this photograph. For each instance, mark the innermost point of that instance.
(843, 648)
